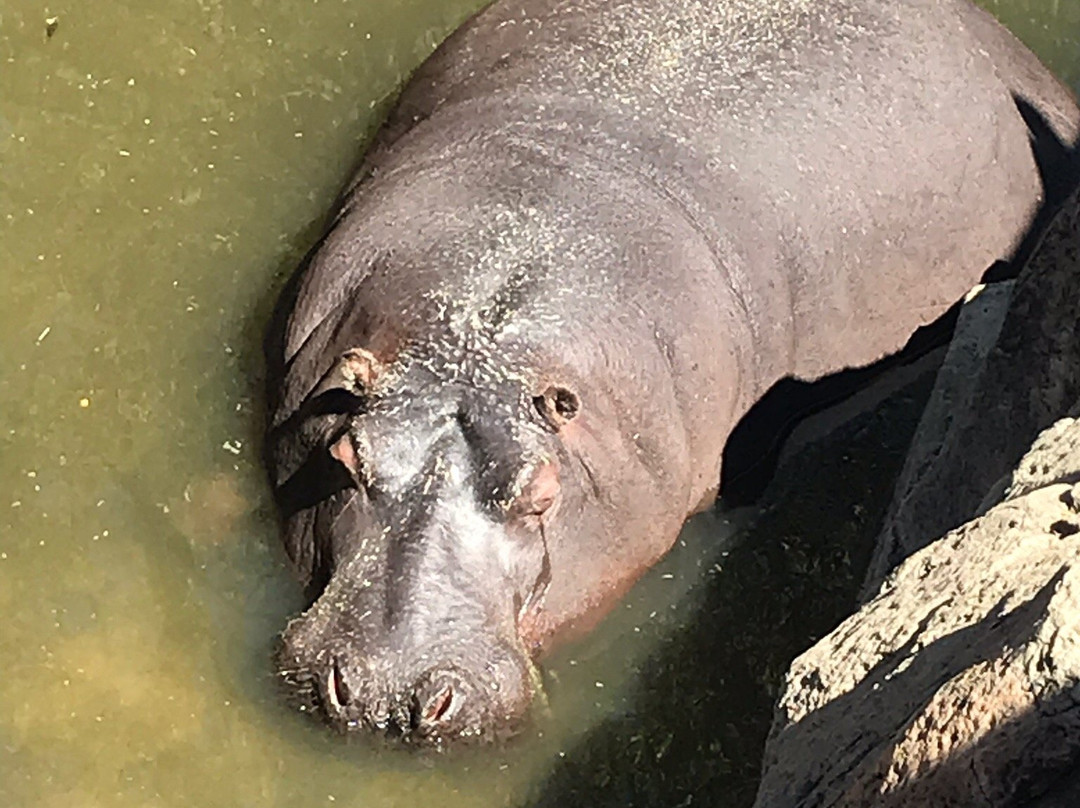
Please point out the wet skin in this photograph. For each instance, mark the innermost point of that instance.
(590, 236)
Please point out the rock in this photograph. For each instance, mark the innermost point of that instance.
(976, 332)
(1052, 459)
(986, 411)
(959, 684)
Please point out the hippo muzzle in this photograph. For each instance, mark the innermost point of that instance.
(451, 687)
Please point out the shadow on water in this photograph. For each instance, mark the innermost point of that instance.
(703, 702)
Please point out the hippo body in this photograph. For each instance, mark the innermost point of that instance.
(589, 237)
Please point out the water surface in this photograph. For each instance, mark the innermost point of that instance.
(163, 165)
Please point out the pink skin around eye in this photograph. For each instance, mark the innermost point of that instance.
(539, 493)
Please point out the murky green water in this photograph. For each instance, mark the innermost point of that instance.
(163, 164)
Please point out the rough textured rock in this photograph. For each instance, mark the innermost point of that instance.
(985, 420)
(1052, 459)
(959, 684)
(977, 330)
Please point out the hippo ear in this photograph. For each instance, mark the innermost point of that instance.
(354, 372)
(344, 452)
(557, 405)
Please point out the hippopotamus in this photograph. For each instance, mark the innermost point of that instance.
(587, 239)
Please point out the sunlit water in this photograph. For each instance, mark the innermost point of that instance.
(163, 165)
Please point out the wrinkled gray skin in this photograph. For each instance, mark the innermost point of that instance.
(590, 236)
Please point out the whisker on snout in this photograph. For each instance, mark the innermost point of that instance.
(298, 682)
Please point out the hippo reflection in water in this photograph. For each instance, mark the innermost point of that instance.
(588, 238)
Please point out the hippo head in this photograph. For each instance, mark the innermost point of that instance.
(470, 475)
(428, 537)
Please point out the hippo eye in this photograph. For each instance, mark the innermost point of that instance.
(557, 405)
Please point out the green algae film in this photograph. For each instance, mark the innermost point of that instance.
(163, 166)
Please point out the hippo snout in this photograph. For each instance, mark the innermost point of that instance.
(437, 703)
(480, 691)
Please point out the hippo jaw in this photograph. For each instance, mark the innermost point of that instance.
(416, 657)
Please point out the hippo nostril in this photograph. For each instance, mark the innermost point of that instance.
(434, 705)
(337, 691)
(439, 706)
